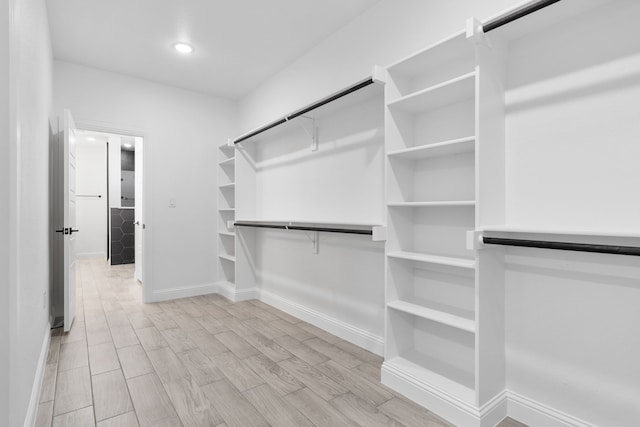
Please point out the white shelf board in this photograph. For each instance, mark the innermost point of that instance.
(284, 124)
(455, 90)
(441, 52)
(445, 148)
(227, 233)
(228, 162)
(226, 186)
(227, 257)
(449, 203)
(414, 365)
(433, 259)
(227, 209)
(442, 317)
(560, 232)
(227, 148)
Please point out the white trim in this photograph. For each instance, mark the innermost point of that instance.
(245, 294)
(437, 401)
(495, 410)
(444, 404)
(228, 290)
(87, 255)
(147, 201)
(32, 409)
(353, 334)
(183, 292)
(531, 412)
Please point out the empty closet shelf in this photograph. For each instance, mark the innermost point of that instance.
(438, 149)
(442, 317)
(446, 203)
(332, 102)
(228, 257)
(228, 162)
(227, 186)
(433, 259)
(450, 92)
(227, 233)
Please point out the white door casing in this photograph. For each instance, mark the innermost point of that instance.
(69, 215)
(139, 213)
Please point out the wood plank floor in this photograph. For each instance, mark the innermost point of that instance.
(205, 361)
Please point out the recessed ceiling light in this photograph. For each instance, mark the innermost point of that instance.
(183, 47)
(128, 146)
(91, 138)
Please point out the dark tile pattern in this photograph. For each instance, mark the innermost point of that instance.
(122, 236)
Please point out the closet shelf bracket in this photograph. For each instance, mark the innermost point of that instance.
(315, 241)
(308, 124)
(475, 32)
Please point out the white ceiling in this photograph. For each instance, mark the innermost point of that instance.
(238, 43)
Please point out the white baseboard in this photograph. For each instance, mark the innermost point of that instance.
(357, 336)
(441, 403)
(88, 255)
(229, 291)
(32, 409)
(534, 413)
(183, 292)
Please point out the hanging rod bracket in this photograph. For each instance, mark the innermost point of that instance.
(310, 129)
(379, 75)
(379, 234)
(474, 240)
(475, 32)
(315, 241)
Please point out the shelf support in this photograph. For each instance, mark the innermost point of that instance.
(379, 75)
(310, 129)
(315, 241)
(475, 33)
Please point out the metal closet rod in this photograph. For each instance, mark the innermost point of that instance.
(305, 110)
(517, 14)
(304, 228)
(565, 246)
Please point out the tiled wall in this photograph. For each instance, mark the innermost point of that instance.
(122, 236)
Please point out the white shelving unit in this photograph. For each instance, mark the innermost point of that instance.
(438, 304)
(226, 213)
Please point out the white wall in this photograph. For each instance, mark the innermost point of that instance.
(283, 179)
(571, 339)
(182, 130)
(383, 34)
(25, 172)
(91, 212)
(330, 282)
(115, 169)
(5, 210)
(572, 164)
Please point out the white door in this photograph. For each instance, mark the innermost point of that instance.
(69, 218)
(139, 222)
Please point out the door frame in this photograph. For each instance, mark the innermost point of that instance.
(147, 271)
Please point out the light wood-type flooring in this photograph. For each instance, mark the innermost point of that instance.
(205, 361)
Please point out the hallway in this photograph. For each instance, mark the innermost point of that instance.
(205, 361)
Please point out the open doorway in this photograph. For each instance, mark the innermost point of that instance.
(110, 187)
